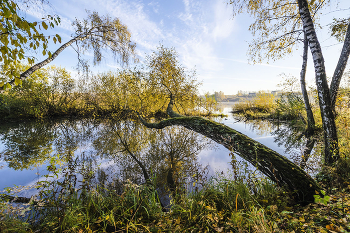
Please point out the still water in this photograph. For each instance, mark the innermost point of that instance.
(118, 151)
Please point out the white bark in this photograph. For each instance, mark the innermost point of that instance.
(329, 127)
(339, 70)
(310, 115)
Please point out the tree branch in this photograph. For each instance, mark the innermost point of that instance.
(339, 70)
(37, 66)
(275, 166)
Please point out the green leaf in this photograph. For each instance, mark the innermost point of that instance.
(327, 198)
(286, 212)
(6, 13)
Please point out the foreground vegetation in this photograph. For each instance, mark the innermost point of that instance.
(240, 202)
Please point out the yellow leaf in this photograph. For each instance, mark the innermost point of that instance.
(44, 25)
(18, 81)
(58, 38)
(7, 86)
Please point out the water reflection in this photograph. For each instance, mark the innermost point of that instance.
(27, 145)
(110, 152)
(299, 147)
(104, 152)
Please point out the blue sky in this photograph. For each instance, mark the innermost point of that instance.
(203, 32)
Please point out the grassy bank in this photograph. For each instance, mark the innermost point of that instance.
(222, 205)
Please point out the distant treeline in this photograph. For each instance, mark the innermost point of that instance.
(241, 96)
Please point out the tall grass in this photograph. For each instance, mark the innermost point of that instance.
(236, 203)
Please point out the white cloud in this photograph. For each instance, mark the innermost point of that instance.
(144, 32)
(155, 6)
(199, 53)
(257, 64)
(224, 25)
(187, 15)
(40, 11)
(204, 26)
(114, 66)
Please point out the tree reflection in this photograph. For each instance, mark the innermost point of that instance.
(167, 155)
(27, 144)
(106, 153)
(297, 143)
(31, 144)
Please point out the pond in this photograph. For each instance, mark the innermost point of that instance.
(106, 151)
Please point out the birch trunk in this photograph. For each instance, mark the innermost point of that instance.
(339, 70)
(330, 132)
(39, 65)
(310, 115)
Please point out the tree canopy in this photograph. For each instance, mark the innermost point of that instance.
(277, 28)
(18, 35)
(96, 33)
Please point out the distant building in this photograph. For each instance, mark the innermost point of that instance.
(276, 93)
(252, 94)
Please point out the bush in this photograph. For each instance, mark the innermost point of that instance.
(290, 105)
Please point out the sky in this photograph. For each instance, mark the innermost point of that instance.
(204, 33)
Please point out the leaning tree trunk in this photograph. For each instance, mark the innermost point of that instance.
(37, 66)
(329, 127)
(310, 115)
(278, 168)
(339, 70)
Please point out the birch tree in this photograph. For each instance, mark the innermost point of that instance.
(19, 35)
(309, 113)
(277, 31)
(340, 29)
(328, 121)
(97, 33)
(298, 16)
